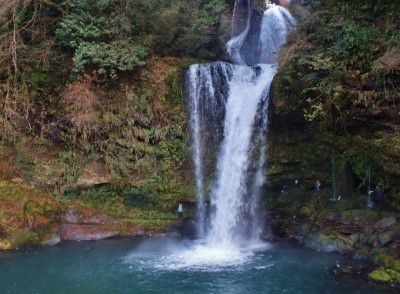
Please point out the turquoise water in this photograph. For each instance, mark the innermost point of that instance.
(168, 266)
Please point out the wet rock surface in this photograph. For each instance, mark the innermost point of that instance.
(367, 235)
(189, 228)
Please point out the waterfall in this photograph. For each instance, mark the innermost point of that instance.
(334, 190)
(236, 42)
(207, 91)
(368, 175)
(247, 91)
(275, 25)
(227, 106)
(342, 178)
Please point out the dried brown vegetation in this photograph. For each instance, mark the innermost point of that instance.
(390, 61)
(82, 105)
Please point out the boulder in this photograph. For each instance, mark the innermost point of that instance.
(386, 222)
(53, 236)
(389, 235)
(95, 173)
(384, 275)
(51, 242)
(380, 275)
(328, 243)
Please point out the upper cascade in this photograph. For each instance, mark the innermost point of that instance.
(275, 25)
(268, 4)
(258, 42)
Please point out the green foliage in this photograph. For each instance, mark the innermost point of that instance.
(340, 63)
(361, 163)
(133, 197)
(116, 36)
(32, 207)
(107, 37)
(98, 40)
(25, 53)
(140, 135)
(327, 93)
(69, 161)
(24, 160)
(174, 96)
(356, 45)
(189, 28)
(162, 189)
(109, 58)
(339, 72)
(100, 195)
(82, 26)
(41, 84)
(136, 124)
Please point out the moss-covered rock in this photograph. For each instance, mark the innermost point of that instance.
(360, 216)
(24, 238)
(331, 242)
(25, 214)
(306, 211)
(380, 275)
(5, 245)
(362, 253)
(395, 265)
(382, 258)
(394, 275)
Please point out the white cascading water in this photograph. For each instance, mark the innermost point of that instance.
(237, 39)
(228, 106)
(230, 223)
(207, 93)
(275, 25)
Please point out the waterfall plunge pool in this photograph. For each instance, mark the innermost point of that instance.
(162, 265)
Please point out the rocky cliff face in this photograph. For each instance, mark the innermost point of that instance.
(334, 118)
